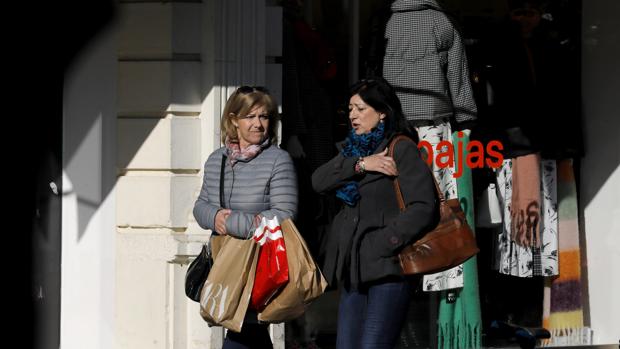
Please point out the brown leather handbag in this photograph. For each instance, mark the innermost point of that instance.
(449, 244)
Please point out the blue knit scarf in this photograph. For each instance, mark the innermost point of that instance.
(355, 146)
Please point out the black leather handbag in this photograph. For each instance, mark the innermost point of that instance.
(198, 272)
(199, 269)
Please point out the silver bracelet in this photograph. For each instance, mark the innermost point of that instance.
(360, 165)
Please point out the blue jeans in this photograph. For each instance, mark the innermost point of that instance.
(373, 318)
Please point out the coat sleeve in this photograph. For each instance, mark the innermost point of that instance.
(333, 174)
(421, 202)
(459, 84)
(204, 210)
(282, 199)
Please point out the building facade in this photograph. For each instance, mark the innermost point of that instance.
(141, 113)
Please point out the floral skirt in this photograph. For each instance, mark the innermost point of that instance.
(433, 134)
(527, 261)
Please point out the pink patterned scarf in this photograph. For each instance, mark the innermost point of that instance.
(236, 154)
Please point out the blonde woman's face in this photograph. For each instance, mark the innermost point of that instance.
(362, 116)
(252, 128)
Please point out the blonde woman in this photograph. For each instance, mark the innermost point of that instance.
(258, 180)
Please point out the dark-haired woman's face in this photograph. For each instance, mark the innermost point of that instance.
(363, 117)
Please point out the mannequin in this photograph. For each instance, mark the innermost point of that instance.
(425, 62)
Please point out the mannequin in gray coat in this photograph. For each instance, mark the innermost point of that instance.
(425, 61)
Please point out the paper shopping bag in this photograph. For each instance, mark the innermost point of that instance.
(306, 282)
(226, 293)
(216, 242)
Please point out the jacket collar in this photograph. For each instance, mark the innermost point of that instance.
(414, 5)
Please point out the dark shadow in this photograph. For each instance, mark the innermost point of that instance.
(89, 123)
(44, 51)
(132, 143)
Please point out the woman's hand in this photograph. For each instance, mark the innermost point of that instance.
(381, 163)
(220, 221)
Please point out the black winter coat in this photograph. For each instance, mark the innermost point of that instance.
(364, 240)
(536, 93)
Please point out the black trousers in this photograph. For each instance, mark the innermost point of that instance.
(252, 336)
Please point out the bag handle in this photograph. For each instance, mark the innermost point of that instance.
(222, 167)
(396, 183)
(222, 181)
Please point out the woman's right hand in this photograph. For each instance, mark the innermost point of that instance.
(380, 162)
(220, 221)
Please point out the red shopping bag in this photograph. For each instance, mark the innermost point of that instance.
(272, 265)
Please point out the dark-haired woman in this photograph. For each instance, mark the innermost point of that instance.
(370, 230)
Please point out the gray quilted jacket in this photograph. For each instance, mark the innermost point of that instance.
(425, 62)
(265, 185)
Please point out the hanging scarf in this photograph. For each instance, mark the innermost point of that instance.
(356, 146)
(236, 154)
(460, 323)
(563, 302)
(526, 200)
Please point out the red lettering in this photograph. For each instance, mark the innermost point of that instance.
(475, 158)
(478, 154)
(427, 152)
(448, 151)
(494, 154)
(459, 156)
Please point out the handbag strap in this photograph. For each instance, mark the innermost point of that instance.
(222, 181)
(396, 183)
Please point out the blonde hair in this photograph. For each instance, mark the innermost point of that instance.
(240, 103)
